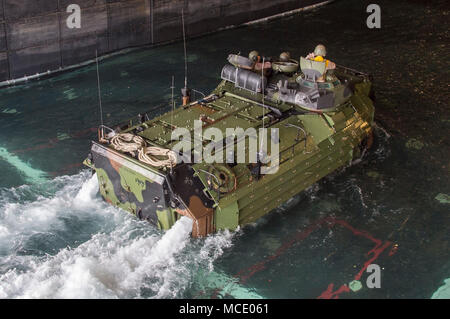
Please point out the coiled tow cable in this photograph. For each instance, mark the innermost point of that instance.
(128, 143)
(148, 155)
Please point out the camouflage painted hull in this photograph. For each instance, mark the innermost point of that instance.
(323, 142)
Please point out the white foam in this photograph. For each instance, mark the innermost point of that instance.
(214, 247)
(130, 259)
(87, 192)
(21, 218)
(116, 266)
(107, 266)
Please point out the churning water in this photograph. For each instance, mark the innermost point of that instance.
(58, 239)
(68, 243)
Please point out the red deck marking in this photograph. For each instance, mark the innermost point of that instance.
(376, 252)
(37, 147)
(330, 222)
(281, 250)
(53, 141)
(329, 294)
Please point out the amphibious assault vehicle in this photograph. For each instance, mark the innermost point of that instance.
(322, 118)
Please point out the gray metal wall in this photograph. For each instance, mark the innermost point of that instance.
(34, 36)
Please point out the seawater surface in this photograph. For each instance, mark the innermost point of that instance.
(391, 207)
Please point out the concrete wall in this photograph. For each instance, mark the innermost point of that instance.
(34, 36)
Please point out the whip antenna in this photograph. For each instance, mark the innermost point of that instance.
(99, 94)
(173, 104)
(185, 53)
(262, 88)
(185, 91)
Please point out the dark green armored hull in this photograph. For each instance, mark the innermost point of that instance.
(319, 126)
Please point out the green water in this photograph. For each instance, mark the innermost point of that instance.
(58, 239)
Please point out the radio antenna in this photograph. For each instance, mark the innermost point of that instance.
(185, 91)
(262, 88)
(185, 53)
(99, 94)
(173, 105)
